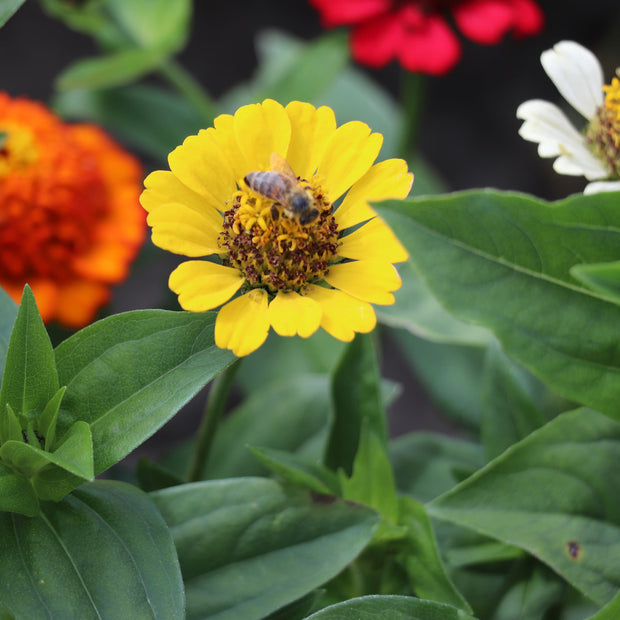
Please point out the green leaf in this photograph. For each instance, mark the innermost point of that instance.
(16, 493)
(7, 9)
(298, 471)
(451, 373)
(420, 556)
(428, 464)
(427, 180)
(54, 474)
(288, 415)
(309, 72)
(114, 69)
(355, 96)
(554, 494)
(30, 379)
(118, 24)
(152, 476)
(531, 597)
(356, 394)
(509, 410)
(90, 18)
(503, 260)
(279, 543)
(298, 610)
(611, 611)
(10, 428)
(128, 374)
(135, 112)
(604, 278)
(418, 311)
(372, 480)
(483, 551)
(155, 24)
(286, 357)
(103, 552)
(351, 93)
(8, 312)
(392, 607)
(47, 420)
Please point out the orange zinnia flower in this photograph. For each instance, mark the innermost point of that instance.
(70, 221)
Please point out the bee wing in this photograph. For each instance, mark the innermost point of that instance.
(279, 164)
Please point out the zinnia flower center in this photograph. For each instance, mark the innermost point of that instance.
(603, 133)
(18, 148)
(274, 249)
(50, 200)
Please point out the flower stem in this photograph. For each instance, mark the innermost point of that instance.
(186, 85)
(216, 403)
(412, 100)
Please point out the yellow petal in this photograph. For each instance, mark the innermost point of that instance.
(373, 240)
(311, 129)
(260, 130)
(292, 314)
(162, 187)
(243, 324)
(178, 229)
(343, 315)
(202, 285)
(223, 132)
(200, 164)
(368, 280)
(387, 179)
(349, 154)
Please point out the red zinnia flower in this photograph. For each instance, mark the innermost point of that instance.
(416, 32)
(70, 220)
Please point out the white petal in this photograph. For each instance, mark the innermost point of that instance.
(547, 125)
(577, 74)
(602, 186)
(581, 163)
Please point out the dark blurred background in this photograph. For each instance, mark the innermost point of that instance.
(469, 132)
(469, 129)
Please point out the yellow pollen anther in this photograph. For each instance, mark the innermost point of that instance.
(612, 98)
(274, 251)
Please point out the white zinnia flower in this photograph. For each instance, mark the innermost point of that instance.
(594, 153)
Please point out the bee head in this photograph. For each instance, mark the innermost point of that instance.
(300, 203)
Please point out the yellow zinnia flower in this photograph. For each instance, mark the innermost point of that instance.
(280, 195)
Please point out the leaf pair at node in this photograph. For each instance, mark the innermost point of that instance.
(36, 462)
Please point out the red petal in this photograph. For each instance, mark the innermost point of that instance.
(487, 21)
(375, 42)
(343, 12)
(428, 43)
(529, 18)
(484, 21)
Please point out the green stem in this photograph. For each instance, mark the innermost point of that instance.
(187, 86)
(216, 403)
(412, 99)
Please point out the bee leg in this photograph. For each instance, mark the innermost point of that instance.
(309, 217)
(275, 212)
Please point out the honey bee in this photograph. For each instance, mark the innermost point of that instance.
(281, 185)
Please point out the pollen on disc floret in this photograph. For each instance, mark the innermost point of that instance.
(274, 251)
(603, 133)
